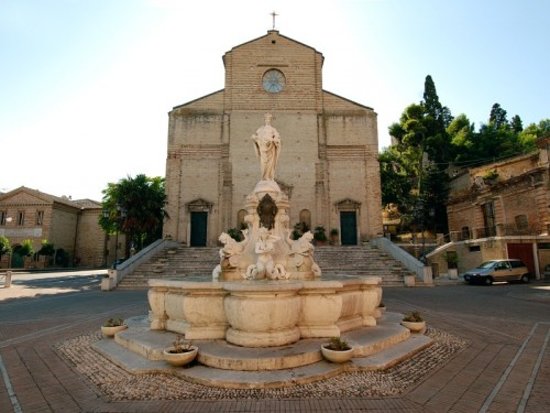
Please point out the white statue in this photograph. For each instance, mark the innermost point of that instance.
(265, 265)
(267, 144)
(231, 248)
(300, 250)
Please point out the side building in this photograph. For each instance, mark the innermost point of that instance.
(328, 166)
(71, 225)
(499, 211)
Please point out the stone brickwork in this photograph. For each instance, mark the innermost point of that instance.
(70, 225)
(520, 188)
(329, 145)
(517, 191)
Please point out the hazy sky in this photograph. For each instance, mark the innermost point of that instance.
(86, 85)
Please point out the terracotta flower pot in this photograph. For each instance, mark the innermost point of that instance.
(336, 356)
(180, 359)
(111, 331)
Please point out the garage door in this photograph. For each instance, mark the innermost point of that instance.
(523, 252)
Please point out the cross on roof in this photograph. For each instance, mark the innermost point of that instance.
(274, 15)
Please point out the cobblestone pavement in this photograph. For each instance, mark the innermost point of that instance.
(504, 368)
(390, 382)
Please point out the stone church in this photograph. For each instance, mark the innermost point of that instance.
(328, 165)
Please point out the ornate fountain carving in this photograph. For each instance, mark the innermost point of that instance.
(266, 290)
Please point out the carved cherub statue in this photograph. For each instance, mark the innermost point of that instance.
(232, 249)
(300, 250)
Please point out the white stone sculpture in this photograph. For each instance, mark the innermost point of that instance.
(258, 313)
(231, 249)
(265, 253)
(265, 266)
(300, 250)
(300, 256)
(267, 144)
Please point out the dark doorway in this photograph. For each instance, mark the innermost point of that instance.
(348, 227)
(198, 228)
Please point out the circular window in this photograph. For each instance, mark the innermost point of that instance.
(273, 81)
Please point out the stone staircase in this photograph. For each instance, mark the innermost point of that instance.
(345, 261)
(191, 264)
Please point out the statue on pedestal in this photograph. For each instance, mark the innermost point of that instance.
(267, 144)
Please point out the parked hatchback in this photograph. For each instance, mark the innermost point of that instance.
(498, 270)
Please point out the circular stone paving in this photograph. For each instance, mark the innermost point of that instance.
(118, 384)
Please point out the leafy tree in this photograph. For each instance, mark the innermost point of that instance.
(497, 117)
(397, 183)
(135, 206)
(5, 247)
(500, 139)
(429, 140)
(47, 248)
(462, 136)
(25, 249)
(516, 124)
(422, 153)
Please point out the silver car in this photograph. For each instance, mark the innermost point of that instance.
(498, 270)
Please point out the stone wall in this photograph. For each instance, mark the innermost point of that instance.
(71, 225)
(329, 144)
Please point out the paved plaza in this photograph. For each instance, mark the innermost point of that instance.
(505, 366)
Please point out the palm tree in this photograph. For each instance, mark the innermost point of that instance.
(135, 206)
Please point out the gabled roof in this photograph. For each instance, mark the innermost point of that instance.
(334, 95)
(48, 199)
(87, 203)
(265, 35)
(198, 99)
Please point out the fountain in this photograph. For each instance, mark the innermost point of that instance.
(267, 290)
(266, 307)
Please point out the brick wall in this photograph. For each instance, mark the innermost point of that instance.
(329, 144)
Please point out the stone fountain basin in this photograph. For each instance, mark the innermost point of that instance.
(264, 313)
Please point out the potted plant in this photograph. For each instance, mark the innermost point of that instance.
(334, 236)
(452, 265)
(113, 326)
(181, 353)
(337, 350)
(319, 235)
(414, 322)
(490, 177)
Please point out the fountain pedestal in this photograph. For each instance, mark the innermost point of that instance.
(266, 291)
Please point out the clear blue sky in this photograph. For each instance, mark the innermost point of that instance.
(85, 85)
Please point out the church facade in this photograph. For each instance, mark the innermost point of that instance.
(327, 167)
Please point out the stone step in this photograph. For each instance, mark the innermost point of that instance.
(138, 350)
(333, 260)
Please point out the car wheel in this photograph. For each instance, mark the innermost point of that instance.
(525, 278)
(488, 280)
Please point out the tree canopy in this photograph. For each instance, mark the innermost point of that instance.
(5, 247)
(135, 206)
(412, 170)
(428, 139)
